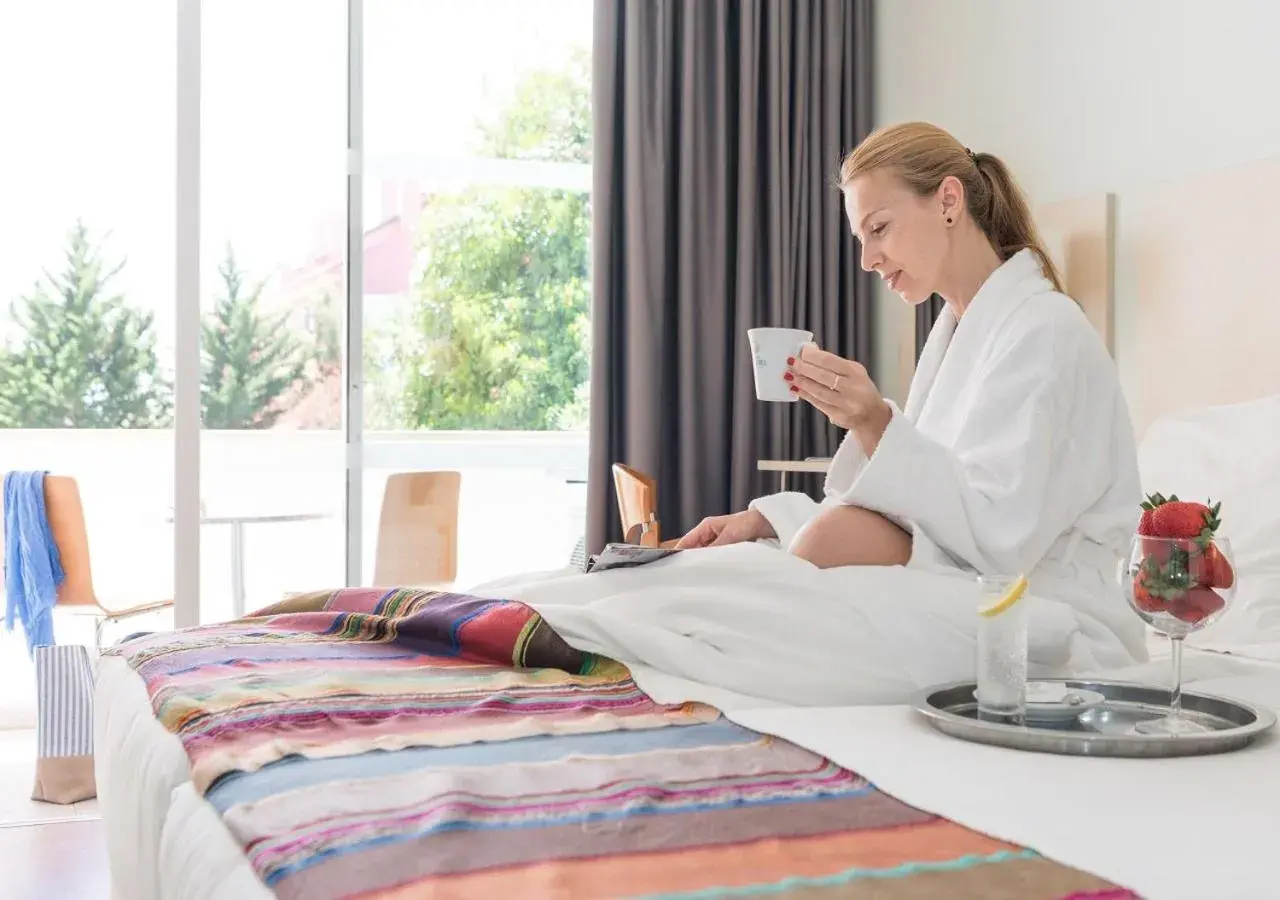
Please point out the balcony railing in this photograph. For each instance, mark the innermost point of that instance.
(522, 505)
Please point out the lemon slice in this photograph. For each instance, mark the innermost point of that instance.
(1012, 596)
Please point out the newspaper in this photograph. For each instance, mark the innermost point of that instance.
(624, 556)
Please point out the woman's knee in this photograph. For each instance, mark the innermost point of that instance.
(852, 536)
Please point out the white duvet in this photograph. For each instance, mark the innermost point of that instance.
(749, 625)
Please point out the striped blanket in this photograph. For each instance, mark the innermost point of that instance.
(417, 744)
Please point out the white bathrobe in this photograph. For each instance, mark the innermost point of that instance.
(1014, 454)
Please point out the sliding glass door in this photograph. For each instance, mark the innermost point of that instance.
(476, 182)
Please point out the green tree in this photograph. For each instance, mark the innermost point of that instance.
(548, 117)
(249, 360)
(83, 357)
(499, 333)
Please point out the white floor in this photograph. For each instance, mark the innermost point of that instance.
(17, 776)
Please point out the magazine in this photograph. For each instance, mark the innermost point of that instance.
(624, 556)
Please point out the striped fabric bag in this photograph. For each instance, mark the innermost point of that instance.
(64, 727)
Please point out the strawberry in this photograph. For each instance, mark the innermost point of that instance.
(1143, 598)
(1217, 572)
(1185, 519)
(1146, 524)
(1181, 564)
(1196, 604)
(1157, 549)
(1163, 580)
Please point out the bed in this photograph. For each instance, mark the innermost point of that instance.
(263, 758)
(412, 744)
(1034, 825)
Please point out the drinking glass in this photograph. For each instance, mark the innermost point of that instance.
(1002, 651)
(1178, 586)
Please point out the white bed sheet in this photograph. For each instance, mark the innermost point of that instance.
(1109, 817)
(1169, 829)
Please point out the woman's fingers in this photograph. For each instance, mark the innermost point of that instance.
(830, 372)
(811, 388)
(704, 534)
(724, 537)
(838, 365)
(831, 412)
(695, 538)
(813, 372)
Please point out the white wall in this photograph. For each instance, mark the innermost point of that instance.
(1079, 97)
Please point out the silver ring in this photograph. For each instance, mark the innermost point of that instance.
(835, 385)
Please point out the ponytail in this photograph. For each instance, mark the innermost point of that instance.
(923, 155)
(1002, 213)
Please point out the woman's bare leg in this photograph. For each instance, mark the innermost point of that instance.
(852, 536)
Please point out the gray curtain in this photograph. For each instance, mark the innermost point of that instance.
(719, 127)
(926, 314)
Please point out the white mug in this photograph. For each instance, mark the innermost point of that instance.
(770, 349)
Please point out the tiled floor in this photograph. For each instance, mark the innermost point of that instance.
(48, 850)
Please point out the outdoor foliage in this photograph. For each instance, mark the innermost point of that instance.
(248, 359)
(82, 356)
(499, 335)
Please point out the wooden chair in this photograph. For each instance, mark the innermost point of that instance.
(637, 495)
(418, 530)
(65, 510)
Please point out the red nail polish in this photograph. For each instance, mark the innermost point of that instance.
(789, 376)
(794, 389)
(791, 360)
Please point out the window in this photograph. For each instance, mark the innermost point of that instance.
(467, 200)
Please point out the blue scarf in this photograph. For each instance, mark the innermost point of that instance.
(32, 566)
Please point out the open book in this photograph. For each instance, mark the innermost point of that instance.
(623, 556)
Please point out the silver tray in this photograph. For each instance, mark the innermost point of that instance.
(1105, 730)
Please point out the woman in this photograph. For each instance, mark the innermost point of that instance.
(1014, 454)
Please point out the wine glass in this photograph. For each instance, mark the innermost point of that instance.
(1178, 586)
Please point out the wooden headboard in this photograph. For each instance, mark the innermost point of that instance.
(1183, 284)
(1080, 236)
(1203, 323)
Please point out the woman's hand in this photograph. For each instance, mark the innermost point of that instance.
(748, 525)
(842, 391)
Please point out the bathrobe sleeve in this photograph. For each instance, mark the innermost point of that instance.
(986, 498)
(787, 512)
(790, 511)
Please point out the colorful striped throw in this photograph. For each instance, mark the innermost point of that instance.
(410, 744)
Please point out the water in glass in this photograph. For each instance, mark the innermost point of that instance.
(1002, 653)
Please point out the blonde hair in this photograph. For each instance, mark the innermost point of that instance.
(923, 155)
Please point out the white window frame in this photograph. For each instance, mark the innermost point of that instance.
(186, 386)
(353, 327)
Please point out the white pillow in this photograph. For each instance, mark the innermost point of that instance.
(1230, 454)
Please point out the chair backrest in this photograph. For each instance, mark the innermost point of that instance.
(418, 530)
(66, 520)
(637, 495)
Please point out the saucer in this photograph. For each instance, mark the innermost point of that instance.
(1053, 701)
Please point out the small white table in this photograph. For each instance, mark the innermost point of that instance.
(814, 464)
(237, 524)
